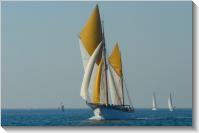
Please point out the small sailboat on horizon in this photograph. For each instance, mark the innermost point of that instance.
(154, 106)
(105, 95)
(170, 103)
(61, 107)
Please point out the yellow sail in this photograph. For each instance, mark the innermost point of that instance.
(96, 87)
(91, 34)
(115, 60)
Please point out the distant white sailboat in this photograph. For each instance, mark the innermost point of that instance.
(170, 104)
(154, 107)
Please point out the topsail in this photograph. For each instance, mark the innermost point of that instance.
(91, 34)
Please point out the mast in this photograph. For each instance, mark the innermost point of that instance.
(154, 100)
(171, 100)
(122, 83)
(105, 62)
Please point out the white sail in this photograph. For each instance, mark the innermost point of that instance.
(170, 105)
(84, 54)
(85, 58)
(88, 72)
(115, 87)
(154, 107)
(103, 86)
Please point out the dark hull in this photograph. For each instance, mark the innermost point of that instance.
(111, 112)
(124, 108)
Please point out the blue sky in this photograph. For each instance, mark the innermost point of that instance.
(41, 61)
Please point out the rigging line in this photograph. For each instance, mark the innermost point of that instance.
(125, 85)
(127, 92)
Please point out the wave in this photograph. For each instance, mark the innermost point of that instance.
(161, 118)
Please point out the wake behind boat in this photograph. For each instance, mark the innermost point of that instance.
(103, 82)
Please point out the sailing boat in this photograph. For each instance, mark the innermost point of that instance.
(103, 83)
(154, 102)
(62, 107)
(170, 104)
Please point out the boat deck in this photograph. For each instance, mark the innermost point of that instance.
(125, 108)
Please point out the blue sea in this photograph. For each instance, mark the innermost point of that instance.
(79, 117)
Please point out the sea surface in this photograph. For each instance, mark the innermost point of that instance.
(80, 117)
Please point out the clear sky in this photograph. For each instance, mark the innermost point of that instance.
(41, 60)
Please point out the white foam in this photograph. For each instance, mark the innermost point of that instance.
(98, 117)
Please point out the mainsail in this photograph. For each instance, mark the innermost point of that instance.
(170, 104)
(154, 107)
(88, 72)
(115, 76)
(89, 39)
